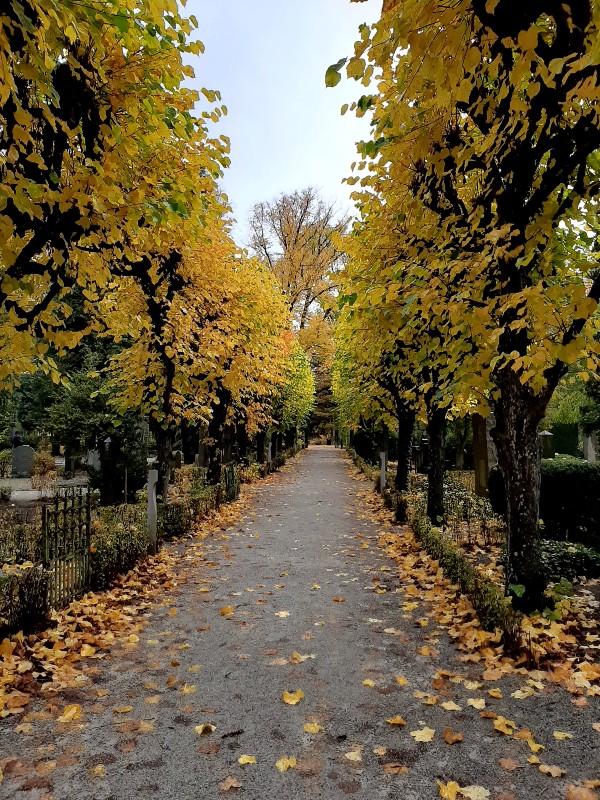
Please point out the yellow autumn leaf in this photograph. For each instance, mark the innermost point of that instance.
(312, 727)
(292, 698)
(474, 792)
(226, 611)
(122, 709)
(70, 713)
(353, 755)
(205, 728)
(188, 688)
(424, 735)
(560, 735)
(87, 650)
(368, 682)
(99, 771)
(450, 705)
(476, 702)
(398, 720)
(400, 680)
(448, 791)
(246, 760)
(285, 763)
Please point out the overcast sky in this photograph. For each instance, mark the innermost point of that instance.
(268, 59)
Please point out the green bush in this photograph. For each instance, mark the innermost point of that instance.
(567, 560)
(119, 539)
(493, 608)
(569, 499)
(5, 463)
(23, 598)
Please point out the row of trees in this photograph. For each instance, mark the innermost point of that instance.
(472, 282)
(114, 234)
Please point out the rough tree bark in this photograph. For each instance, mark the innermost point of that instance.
(164, 447)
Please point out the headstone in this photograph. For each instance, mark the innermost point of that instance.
(152, 511)
(546, 440)
(590, 448)
(93, 459)
(176, 459)
(22, 461)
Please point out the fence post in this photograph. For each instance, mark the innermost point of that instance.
(152, 511)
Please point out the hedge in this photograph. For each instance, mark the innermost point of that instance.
(569, 499)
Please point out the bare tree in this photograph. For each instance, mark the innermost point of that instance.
(295, 234)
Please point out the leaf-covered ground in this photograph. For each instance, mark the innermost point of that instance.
(307, 649)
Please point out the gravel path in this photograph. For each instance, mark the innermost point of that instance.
(298, 572)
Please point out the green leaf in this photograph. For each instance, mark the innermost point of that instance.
(332, 76)
(517, 589)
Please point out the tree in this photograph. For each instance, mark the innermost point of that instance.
(295, 235)
(486, 124)
(100, 152)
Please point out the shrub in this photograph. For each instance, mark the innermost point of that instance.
(5, 493)
(119, 539)
(5, 463)
(567, 560)
(23, 597)
(493, 608)
(43, 463)
(569, 499)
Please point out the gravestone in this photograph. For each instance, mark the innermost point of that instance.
(93, 459)
(546, 440)
(484, 451)
(590, 448)
(176, 459)
(22, 461)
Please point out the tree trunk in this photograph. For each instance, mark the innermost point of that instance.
(216, 428)
(190, 437)
(164, 446)
(406, 424)
(228, 442)
(241, 435)
(203, 449)
(111, 478)
(436, 427)
(462, 434)
(261, 447)
(518, 414)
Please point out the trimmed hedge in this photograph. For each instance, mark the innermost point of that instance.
(569, 499)
(493, 608)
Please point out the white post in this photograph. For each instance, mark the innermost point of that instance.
(152, 511)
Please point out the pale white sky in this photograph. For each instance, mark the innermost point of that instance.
(268, 59)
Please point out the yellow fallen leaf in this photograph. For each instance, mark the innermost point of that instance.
(24, 727)
(496, 693)
(99, 771)
(282, 614)
(368, 682)
(204, 590)
(424, 735)
(560, 735)
(550, 769)
(312, 727)
(398, 720)
(153, 700)
(450, 737)
(87, 650)
(476, 702)
(285, 763)
(133, 639)
(298, 658)
(205, 728)
(394, 769)
(122, 709)
(448, 791)
(380, 751)
(474, 792)
(292, 698)
(533, 760)
(503, 725)
(246, 760)
(188, 688)
(353, 755)
(451, 706)
(70, 713)
(401, 681)
(339, 599)
(315, 586)
(226, 611)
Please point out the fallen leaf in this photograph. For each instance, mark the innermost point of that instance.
(394, 769)
(579, 793)
(152, 700)
(496, 693)
(70, 713)
(229, 783)
(226, 611)
(315, 586)
(246, 760)
(24, 727)
(285, 763)
(560, 735)
(353, 755)
(188, 688)
(451, 706)
(87, 650)
(292, 698)
(551, 769)
(448, 791)
(122, 709)
(398, 720)
(205, 728)
(476, 702)
(99, 771)
(282, 613)
(380, 751)
(312, 727)
(474, 792)
(509, 764)
(450, 737)
(424, 735)
(146, 726)
(401, 681)
(368, 682)
(339, 599)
